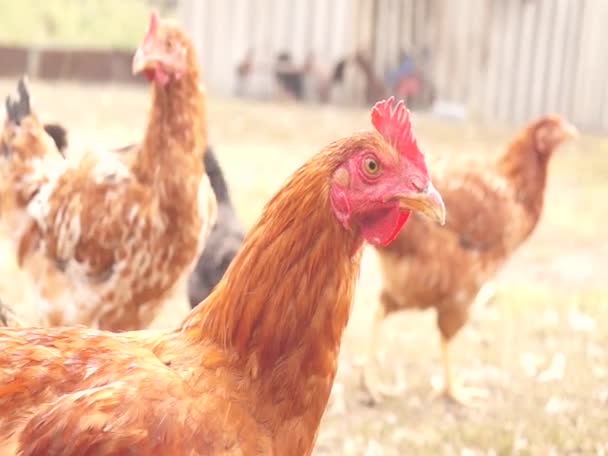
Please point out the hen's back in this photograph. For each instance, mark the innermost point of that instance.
(76, 391)
(433, 265)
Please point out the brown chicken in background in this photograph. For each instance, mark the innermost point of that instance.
(250, 369)
(120, 232)
(22, 176)
(18, 179)
(492, 207)
(226, 235)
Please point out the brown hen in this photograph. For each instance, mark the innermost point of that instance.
(120, 235)
(492, 207)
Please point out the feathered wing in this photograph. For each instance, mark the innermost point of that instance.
(146, 411)
(480, 211)
(89, 223)
(109, 395)
(447, 269)
(140, 414)
(88, 212)
(103, 231)
(479, 208)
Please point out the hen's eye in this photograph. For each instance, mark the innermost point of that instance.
(371, 166)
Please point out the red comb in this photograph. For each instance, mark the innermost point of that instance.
(396, 128)
(152, 25)
(394, 125)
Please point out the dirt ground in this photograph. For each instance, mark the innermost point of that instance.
(540, 347)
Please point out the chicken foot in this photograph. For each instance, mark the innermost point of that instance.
(452, 391)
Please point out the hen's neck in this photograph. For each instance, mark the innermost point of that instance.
(526, 170)
(175, 136)
(285, 300)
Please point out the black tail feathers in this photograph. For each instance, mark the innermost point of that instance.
(19, 107)
(59, 135)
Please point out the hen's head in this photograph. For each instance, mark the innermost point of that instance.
(165, 53)
(384, 178)
(550, 131)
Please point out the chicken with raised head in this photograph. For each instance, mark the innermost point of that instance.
(120, 234)
(250, 370)
(492, 207)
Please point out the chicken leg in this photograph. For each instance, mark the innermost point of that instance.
(457, 393)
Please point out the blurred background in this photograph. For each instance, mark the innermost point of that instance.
(284, 78)
(502, 60)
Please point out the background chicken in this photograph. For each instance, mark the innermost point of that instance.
(121, 235)
(226, 234)
(59, 135)
(250, 370)
(223, 242)
(492, 208)
(23, 174)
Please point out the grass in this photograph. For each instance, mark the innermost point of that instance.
(73, 23)
(540, 347)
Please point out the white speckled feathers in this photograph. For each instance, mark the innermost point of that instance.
(107, 234)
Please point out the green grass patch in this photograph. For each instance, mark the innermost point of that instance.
(74, 23)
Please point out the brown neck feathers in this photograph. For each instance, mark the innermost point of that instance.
(171, 156)
(293, 277)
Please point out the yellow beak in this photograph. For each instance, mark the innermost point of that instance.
(428, 201)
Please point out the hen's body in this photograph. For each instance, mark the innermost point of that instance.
(122, 248)
(447, 273)
(226, 234)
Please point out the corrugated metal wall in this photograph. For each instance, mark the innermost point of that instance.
(505, 60)
(224, 31)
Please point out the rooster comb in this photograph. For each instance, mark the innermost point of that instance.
(152, 25)
(396, 127)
